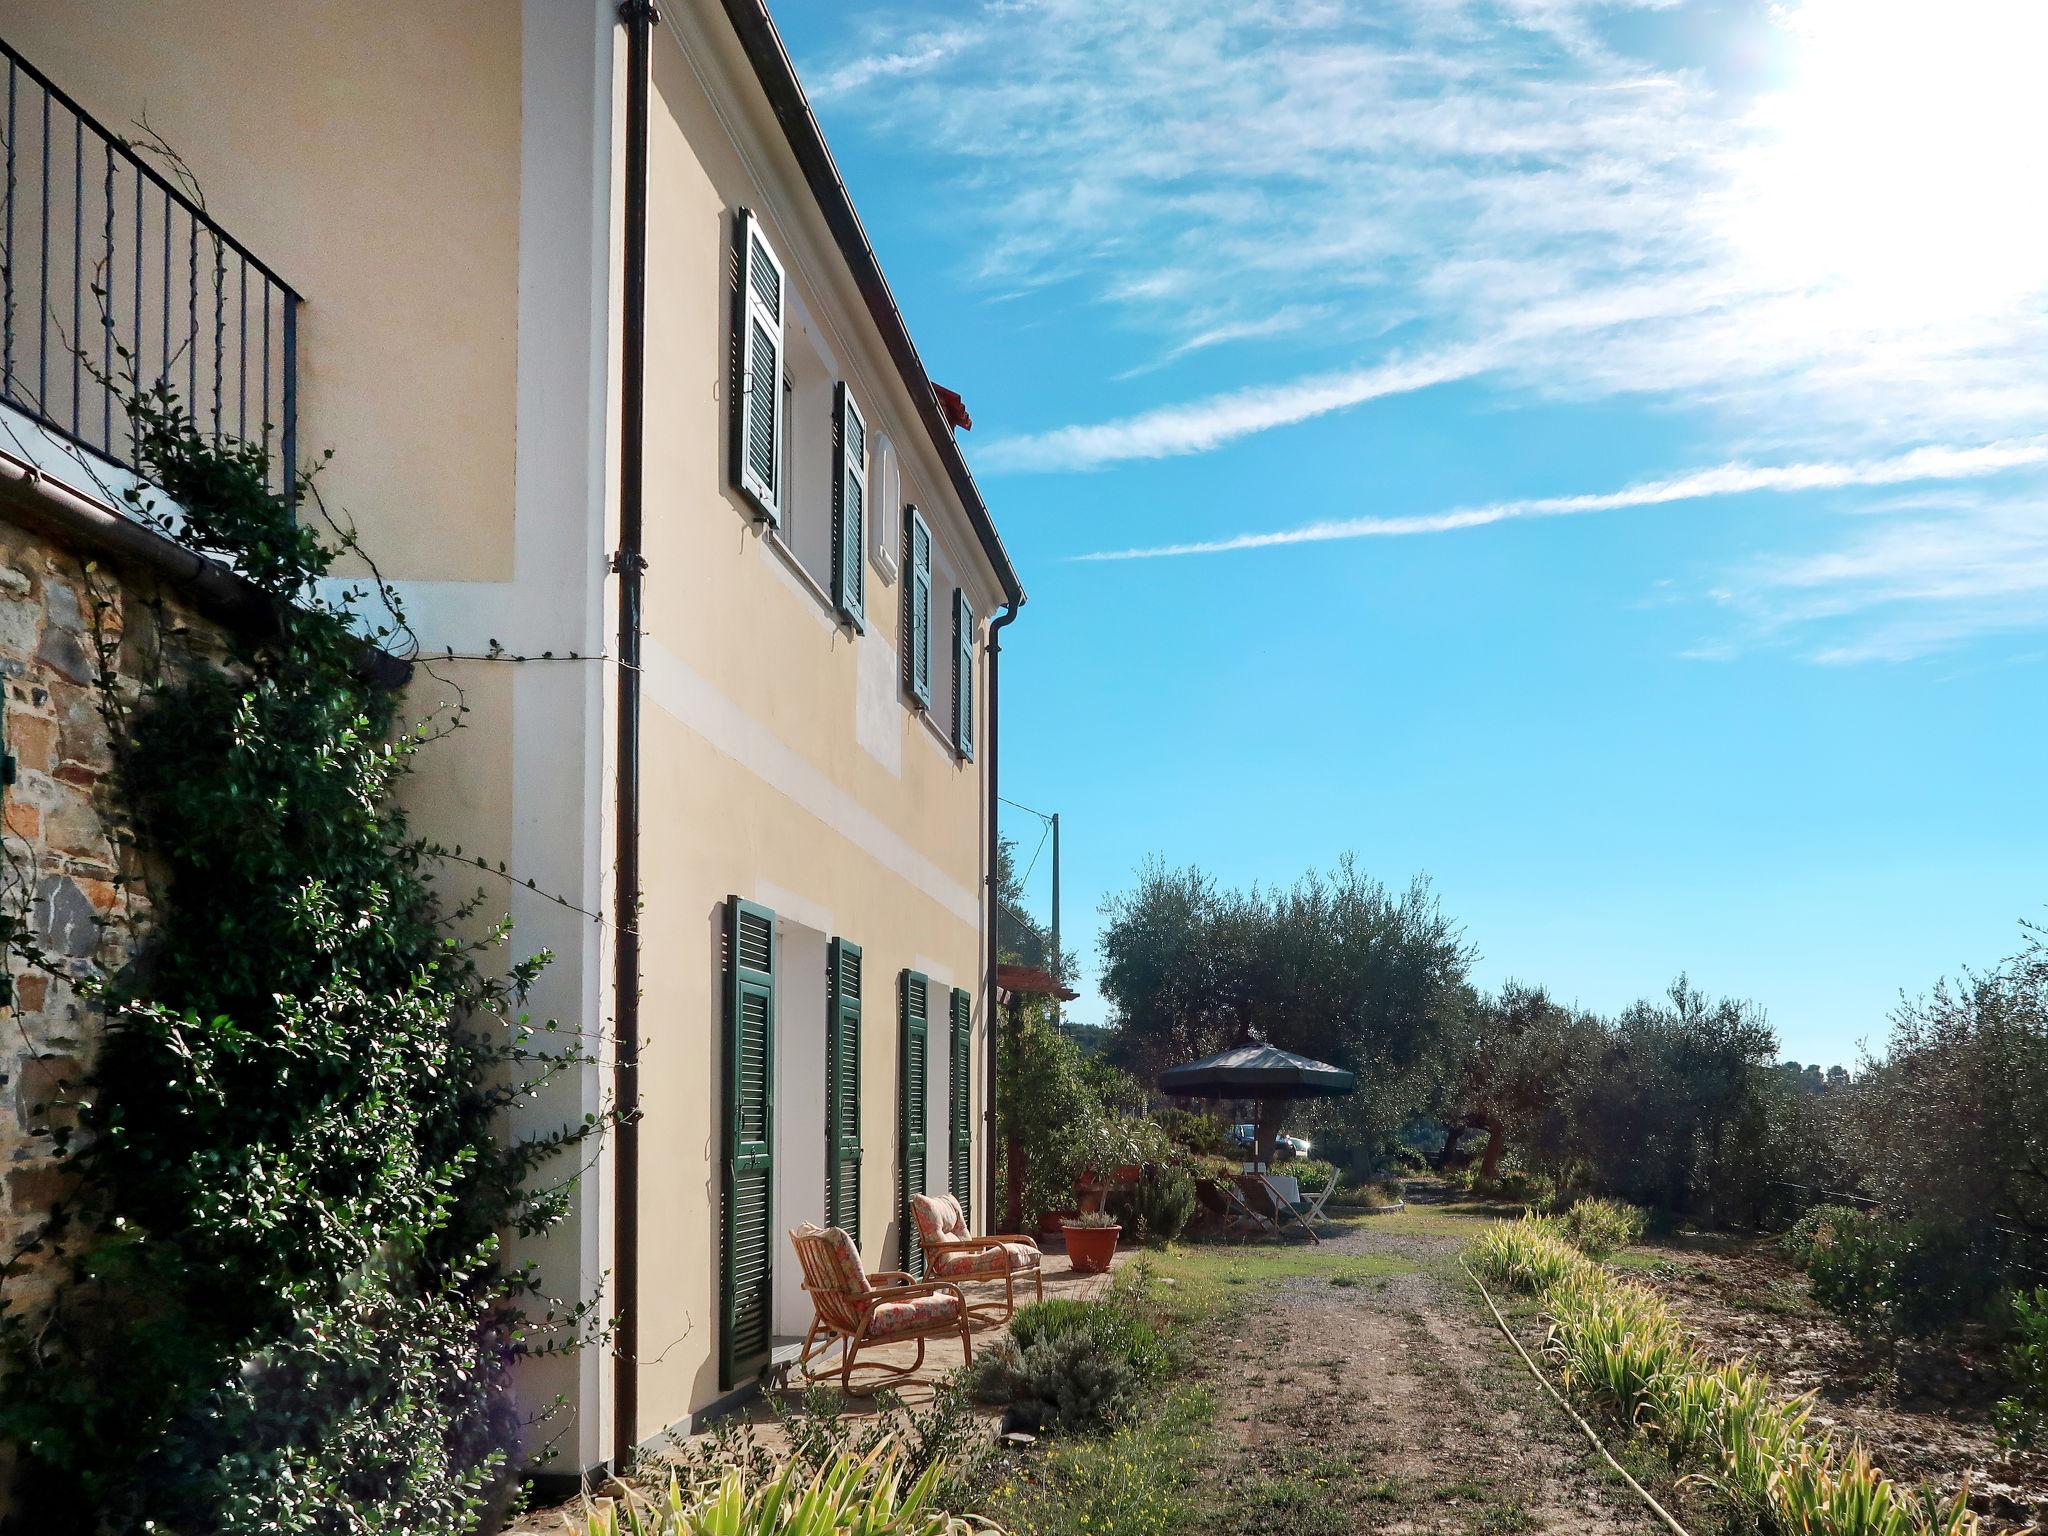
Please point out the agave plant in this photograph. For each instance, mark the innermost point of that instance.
(853, 1496)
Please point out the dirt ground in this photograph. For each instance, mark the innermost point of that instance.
(1923, 1413)
(1380, 1398)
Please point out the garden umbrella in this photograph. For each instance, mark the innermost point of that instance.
(1254, 1069)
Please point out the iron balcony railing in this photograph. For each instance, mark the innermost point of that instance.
(102, 253)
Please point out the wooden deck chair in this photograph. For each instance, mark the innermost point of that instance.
(1246, 1193)
(1314, 1212)
(1288, 1208)
(952, 1253)
(861, 1310)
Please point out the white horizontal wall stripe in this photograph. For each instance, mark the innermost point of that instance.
(672, 685)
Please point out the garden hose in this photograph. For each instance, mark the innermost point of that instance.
(1534, 1370)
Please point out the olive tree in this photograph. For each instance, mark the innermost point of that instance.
(1334, 966)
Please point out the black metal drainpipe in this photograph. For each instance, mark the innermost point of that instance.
(639, 18)
(995, 651)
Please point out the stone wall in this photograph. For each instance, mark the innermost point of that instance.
(69, 869)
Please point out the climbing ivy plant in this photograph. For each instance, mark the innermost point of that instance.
(285, 1304)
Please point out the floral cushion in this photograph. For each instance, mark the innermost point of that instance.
(833, 1269)
(939, 1219)
(893, 1319)
(997, 1259)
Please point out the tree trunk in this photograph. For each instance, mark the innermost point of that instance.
(1496, 1143)
(1013, 1148)
(1452, 1132)
(1013, 1194)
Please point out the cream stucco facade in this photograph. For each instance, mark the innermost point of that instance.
(445, 186)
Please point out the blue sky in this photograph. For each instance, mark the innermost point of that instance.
(1592, 454)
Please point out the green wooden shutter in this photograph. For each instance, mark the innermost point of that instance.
(757, 368)
(963, 674)
(910, 1107)
(842, 1091)
(850, 510)
(960, 1101)
(745, 1278)
(917, 606)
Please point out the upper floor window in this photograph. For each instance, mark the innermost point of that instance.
(849, 508)
(963, 674)
(917, 607)
(758, 463)
(800, 449)
(810, 456)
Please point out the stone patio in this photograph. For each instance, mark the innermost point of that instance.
(942, 1356)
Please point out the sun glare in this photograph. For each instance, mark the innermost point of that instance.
(1902, 170)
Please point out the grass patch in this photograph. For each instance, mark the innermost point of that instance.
(1206, 1279)
(1138, 1481)
(1293, 1489)
(1501, 1519)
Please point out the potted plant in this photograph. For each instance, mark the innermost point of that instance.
(1111, 1152)
(1091, 1241)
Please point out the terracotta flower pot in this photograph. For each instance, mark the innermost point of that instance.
(1089, 1249)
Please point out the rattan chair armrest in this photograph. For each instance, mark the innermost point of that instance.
(915, 1288)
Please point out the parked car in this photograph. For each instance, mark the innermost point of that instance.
(1284, 1146)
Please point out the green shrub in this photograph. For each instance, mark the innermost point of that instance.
(1816, 1229)
(1515, 1186)
(1311, 1172)
(1598, 1227)
(1405, 1159)
(1159, 1207)
(1061, 1381)
(2023, 1417)
(1900, 1279)
(1115, 1329)
(1197, 1130)
(1070, 1364)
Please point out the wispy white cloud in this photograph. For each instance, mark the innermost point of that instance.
(1211, 423)
(1281, 322)
(1914, 577)
(916, 54)
(1490, 176)
(1930, 463)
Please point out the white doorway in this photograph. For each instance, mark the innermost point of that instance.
(800, 1016)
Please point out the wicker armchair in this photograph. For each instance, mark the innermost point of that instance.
(862, 1310)
(952, 1253)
